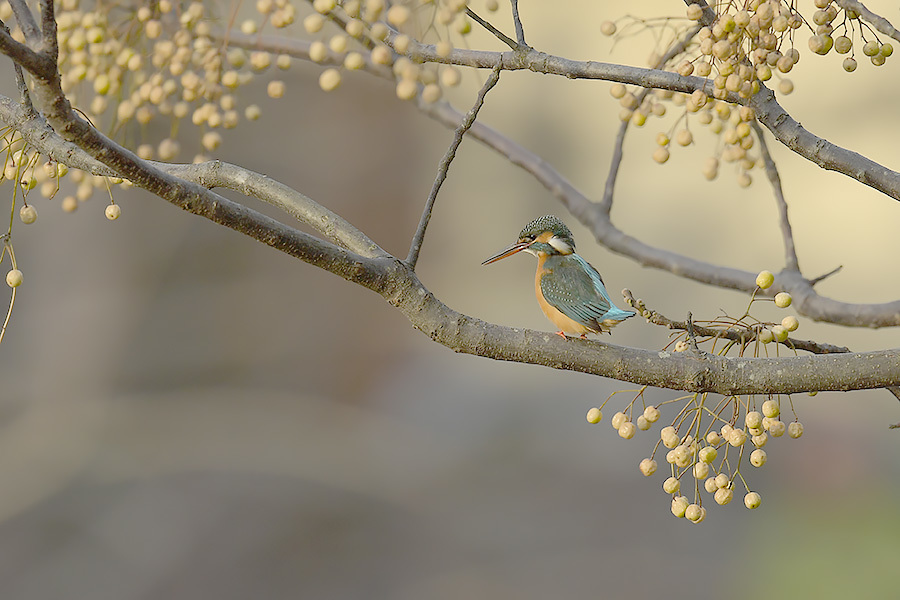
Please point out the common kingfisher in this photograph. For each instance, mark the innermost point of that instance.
(569, 290)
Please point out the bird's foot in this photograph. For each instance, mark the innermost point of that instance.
(562, 335)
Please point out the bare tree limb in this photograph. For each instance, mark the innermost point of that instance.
(398, 284)
(787, 235)
(807, 302)
(26, 22)
(880, 23)
(741, 334)
(444, 166)
(520, 31)
(494, 31)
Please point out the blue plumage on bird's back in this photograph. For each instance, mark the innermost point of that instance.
(571, 285)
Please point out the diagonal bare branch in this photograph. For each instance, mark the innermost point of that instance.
(444, 166)
(26, 22)
(494, 31)
(618, 152)
(520, 31)
(787, 235)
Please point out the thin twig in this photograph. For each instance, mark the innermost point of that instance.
(618, 154)
(48, 30)
(444, 166)
(26, 21)
(496, 32)
(787, 235)
(520, 31)
(816, 280)
(880, 23)
(20, 80)
(742, 335)
(692, 336)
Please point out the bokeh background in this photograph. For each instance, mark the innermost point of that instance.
(186, 413)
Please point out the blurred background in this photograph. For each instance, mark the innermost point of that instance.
(186, 413)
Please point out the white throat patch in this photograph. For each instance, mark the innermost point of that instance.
(561, 245)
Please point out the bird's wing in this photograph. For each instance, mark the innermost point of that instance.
(576, 289)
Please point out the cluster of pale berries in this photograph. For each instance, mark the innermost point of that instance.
(766, 332)
(161, 61)
(705, 459)
(731, 122)
(824, 39)
(374, 34)
(45, 178)
(776, 333)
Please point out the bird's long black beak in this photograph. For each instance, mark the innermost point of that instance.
(517, 247)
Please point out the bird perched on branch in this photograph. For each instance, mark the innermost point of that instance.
(569, 290)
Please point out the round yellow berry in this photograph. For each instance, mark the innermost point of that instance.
(28, 214)
(14, 278)
(669, 437)
(701, 470)
(723, 496)
(113, 212)
(777, 428)
(753, 420)
(679, 506)
(758, 457)
(737, 438)
(407, 89)
(759, 440)
(710, 485)
(618, 419)
(790, 323)
(648, 467)
(771, 409)
(608, 28)
(795, 429)
(783, 299)
(627, 430)
(651, 413)
(693, 513)
(766, 336)
(780, 333)
(276, 88)
(69, 204)
(329, 80)
(642, 423)
(661, 155)
(708, 454)
(752, 500)
(594, 416)
(670, 485)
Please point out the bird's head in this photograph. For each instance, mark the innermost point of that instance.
(545, 235)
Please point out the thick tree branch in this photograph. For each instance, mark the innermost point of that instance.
(398, 284)
(785, 129)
